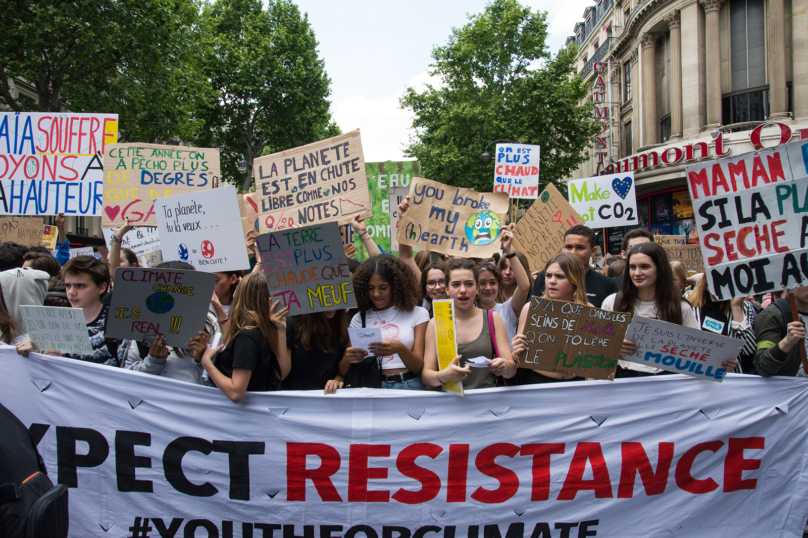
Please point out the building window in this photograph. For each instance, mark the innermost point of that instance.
(747, 44)
(743, 106)
(627, 82)
(627, 144)
(81, 226)
(665, 128)
(595, 45)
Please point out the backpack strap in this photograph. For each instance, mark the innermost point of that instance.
(492, 332)
(785, 307)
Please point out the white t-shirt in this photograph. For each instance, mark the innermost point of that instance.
(509, 318)
(647, 309)
(395, 325)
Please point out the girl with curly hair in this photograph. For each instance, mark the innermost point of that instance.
(386, 297)
(480, 333)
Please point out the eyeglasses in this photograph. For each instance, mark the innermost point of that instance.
(436, 284)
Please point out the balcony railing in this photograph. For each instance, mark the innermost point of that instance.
(600, 53)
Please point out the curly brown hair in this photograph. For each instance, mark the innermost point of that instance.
(403, 286)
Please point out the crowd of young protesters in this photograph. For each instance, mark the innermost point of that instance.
(259, 348)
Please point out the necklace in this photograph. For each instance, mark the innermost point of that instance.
(388, 321)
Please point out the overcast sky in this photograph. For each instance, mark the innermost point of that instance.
(374, 49)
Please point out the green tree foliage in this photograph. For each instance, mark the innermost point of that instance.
(130, 57)
(492, 90)
(270, 86)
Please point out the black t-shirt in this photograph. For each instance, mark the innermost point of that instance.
(311, 370)
(251, 351)
(598, 287)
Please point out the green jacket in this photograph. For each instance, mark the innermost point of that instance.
(770, 328)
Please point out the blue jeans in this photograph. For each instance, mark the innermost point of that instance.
(411, 384)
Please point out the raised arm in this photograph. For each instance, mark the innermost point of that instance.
(405, 251)
(522, 291)
(115, 248)
(361, 229)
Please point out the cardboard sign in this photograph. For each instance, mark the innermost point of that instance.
(142, 240)
(690, 255)
(307, 269)
(81, 251)
(517, 170)
(539, 234)
(137, 174)
(668, 240)
(452, 220)
(52, 327)
(320, 182)
(204, 229)
(446, 340)
(50, 236)
(26, 231)
(605, 201)
(751, 216)
(681, 350)
(384, 178)
(148, 302)
(573, 339)
(53, 162)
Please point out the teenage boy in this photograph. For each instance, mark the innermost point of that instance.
(779, 337)
(86, 281)
(580, 240)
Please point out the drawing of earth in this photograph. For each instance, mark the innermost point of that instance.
(160, 302)
(483, 228)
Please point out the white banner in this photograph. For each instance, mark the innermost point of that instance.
(629, 458)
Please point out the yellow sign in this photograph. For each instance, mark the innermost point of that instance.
(49, 235)
(445, 337)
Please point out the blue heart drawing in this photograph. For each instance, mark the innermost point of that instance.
(621, 186)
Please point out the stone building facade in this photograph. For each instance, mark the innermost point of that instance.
(675, 82)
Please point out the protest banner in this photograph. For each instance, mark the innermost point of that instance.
(321, 182)
(681, 350)
(605, 201)
(517, 170)
(539, 234)
(750, 214)
(148, 302)
(383, 179)
(573, 339)
(668, 240)
(53, 327)
(452, 220)
(142, 240)
(446, 339)
(307, 268)
(690, 255)
(50, 236)
(203, 228)
(638, 457)
(81, 251)
(52, 162)
(137, 174)
(26, 231)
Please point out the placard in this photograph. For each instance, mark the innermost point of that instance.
(50, 236)
(142, 240)
(81, 251)
(26, 231)
(137, 174)
(384, 178)
(203, 228)
(690, 255)
(307, 269)
(52, 327)
(148, 302)
(52, 162)
(517, 170)
(668, 240)
(751, 216)
(453, 220)
(539, 234)
(573, 339)
(605, 201)
(321, 182)
(446, 340)
(681, 350)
